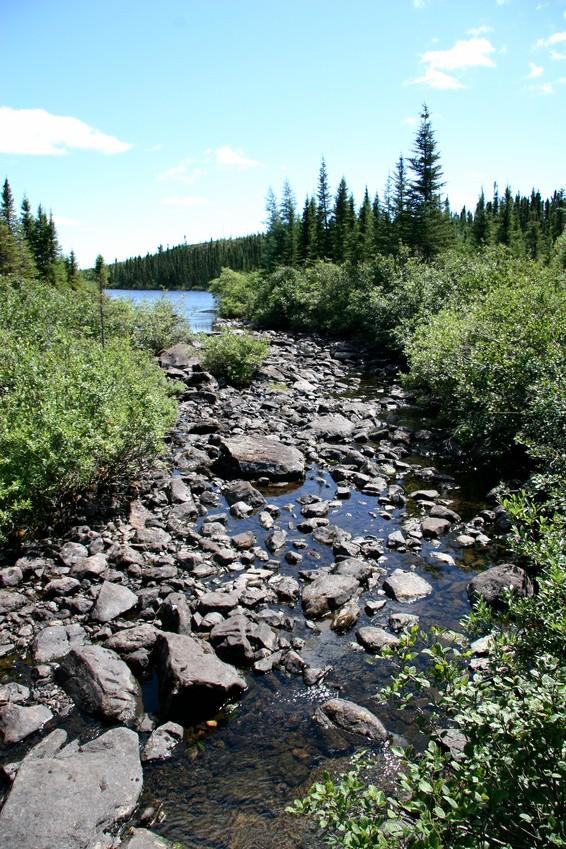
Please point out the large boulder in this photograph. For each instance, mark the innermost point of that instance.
(327, 593)
(72, 797)
(260, 456)
(348, 716)
(193, 682)
(492, 584)
(102, 684)
(406, 586)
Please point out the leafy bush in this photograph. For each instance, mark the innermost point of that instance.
(74, 415)
(236, 291)
(507, 788)
(487, 364)
(234, 357)
(42, 310)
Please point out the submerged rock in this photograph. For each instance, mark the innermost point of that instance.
(348, 716)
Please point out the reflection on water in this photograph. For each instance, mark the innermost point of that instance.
(197, 306)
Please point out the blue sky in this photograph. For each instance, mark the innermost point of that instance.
(141, 123)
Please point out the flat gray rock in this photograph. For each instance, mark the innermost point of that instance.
(261, 456)
(406, 586)
(112, 601)
(56, 641)
(327, 593)
(193, 682)
(18, 722)
(70, 799)
(102, 684)
(348, 716)
(132, 639)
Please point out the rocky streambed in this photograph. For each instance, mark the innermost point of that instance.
(184, 667)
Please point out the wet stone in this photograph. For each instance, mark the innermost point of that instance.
(406, 586)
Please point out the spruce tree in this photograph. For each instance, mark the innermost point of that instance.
(7, 207)
(340, 226)
(366, 231)
(323, 211)
(480, 227)
(400, 205)
(429, 228)
(289, 224)
(307, 233)
(273, 252)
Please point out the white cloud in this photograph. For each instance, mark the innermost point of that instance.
(410, 121)
(182, 173)
(555, 38)
(184, 200)
(502, 2)
(548, 88)
(419, 4)
(466, 53)
(226, 155)
(534, 71)
(550, 43)
(481, 30)
(470, 53)
(437, 79)
(37, 132)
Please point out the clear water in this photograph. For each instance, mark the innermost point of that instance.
(197, 306)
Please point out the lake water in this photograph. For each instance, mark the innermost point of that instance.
(197, 306)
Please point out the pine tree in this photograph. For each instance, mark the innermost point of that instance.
(288, 216)
(273, 253)
(400, 205)
(307, 233)
(323, 209)
(72, 269)
(365, 245)
(480, 227)
(429, 230)
(340, 226)
(101, 278)
(7, 207)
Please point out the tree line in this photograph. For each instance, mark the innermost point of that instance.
(410, 213)
(187, 266)
(29, 246)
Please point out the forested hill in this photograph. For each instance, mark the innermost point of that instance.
(187, 266)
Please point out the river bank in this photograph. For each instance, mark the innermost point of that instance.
(349, 525)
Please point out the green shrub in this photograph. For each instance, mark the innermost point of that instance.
(41, 310)
(74, 416)
(234, 357)
(236, 291)
(488, 364)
